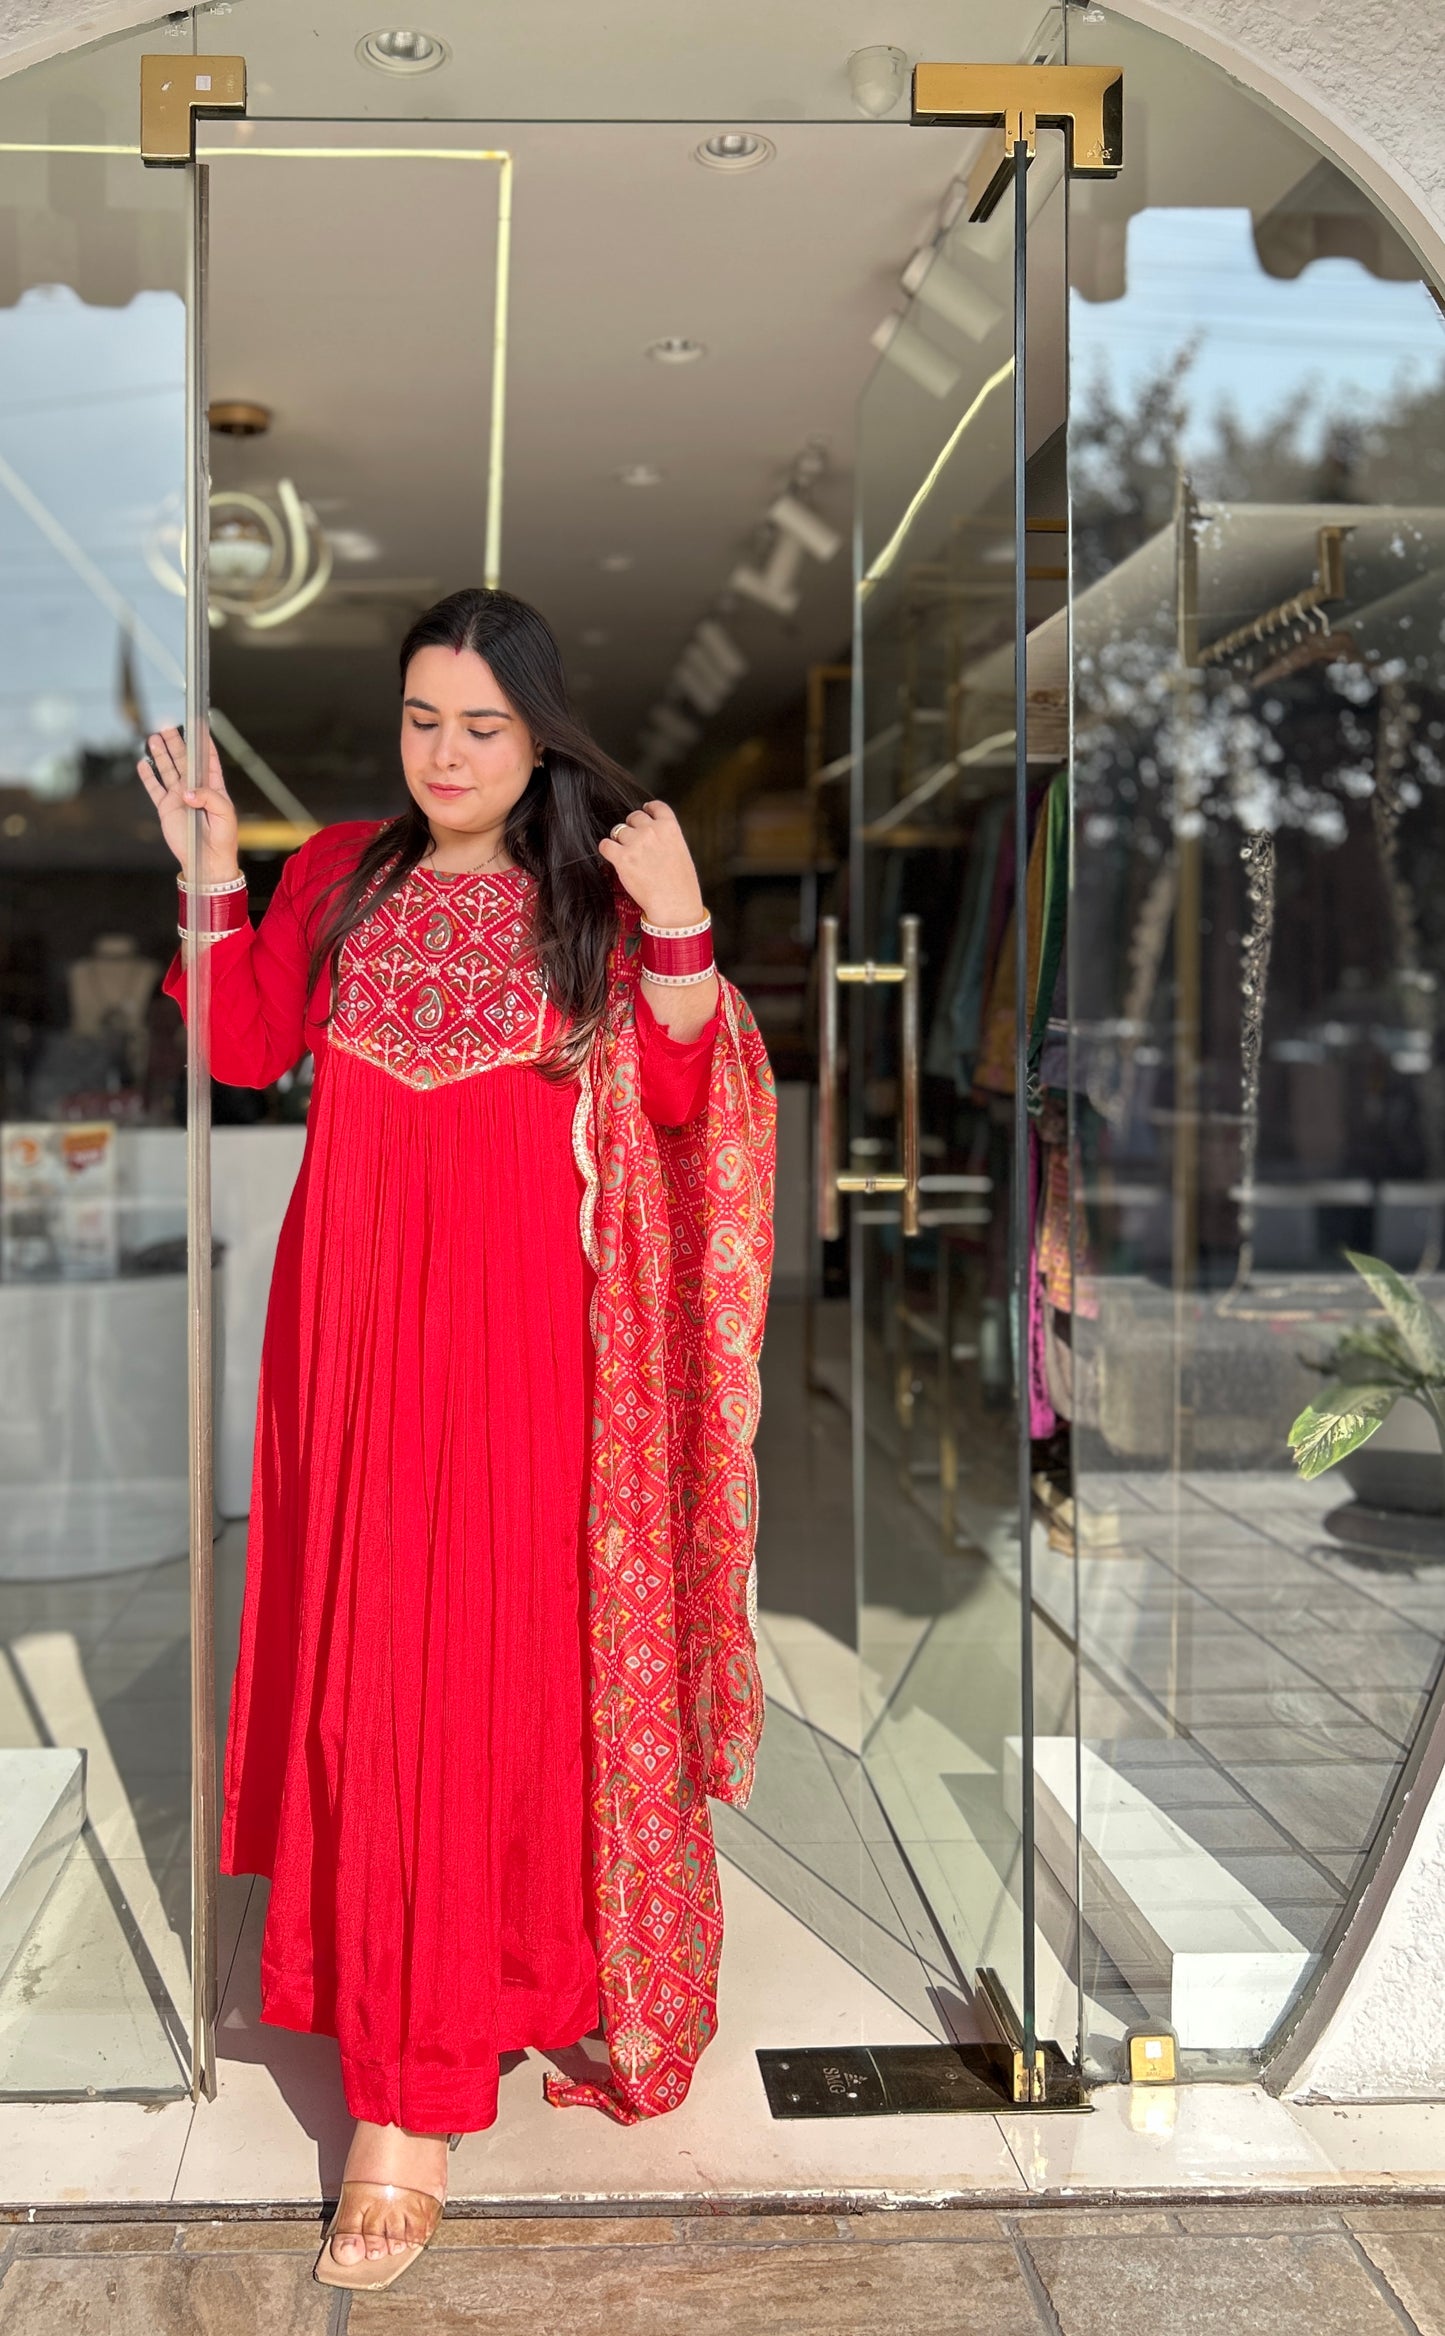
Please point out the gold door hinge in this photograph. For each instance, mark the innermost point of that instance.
(1086, 102)
(176, 93)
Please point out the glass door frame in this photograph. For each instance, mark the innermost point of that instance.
(158, 74)
(1013, 104)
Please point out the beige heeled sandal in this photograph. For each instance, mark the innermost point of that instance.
(378, 2270)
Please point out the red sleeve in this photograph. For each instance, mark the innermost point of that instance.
(674, 1071)
(258, 984)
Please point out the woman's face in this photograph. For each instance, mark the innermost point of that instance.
(466, 751)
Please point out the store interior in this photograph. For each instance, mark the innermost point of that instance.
(759, 475)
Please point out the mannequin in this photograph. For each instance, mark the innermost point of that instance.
(110, 992)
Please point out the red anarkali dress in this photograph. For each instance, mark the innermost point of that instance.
(407, 1756)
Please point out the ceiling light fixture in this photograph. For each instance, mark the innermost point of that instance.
(675, 349)
(877, 78)
(938, 285)
(818, 540)
(403, 50)
(238, 417)
(269, 557)
(674, 727)
(699, 683)
(901, 342)
(722, 649)
(639, 474)
(711, 664)
(775, 586)
(734, 150)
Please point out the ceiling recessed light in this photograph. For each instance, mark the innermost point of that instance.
(238, 417)
(640, 474)
(403, 50)
(675, 349)
(734, 150)
(615, 563)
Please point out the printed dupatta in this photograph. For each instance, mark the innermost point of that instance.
(678, 1225)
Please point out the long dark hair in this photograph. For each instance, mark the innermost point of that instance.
(575, 794)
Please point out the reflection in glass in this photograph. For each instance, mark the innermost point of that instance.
(95, 1991)
(940, 1627)
(1253, 1079)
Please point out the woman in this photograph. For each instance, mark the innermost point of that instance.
(496, 1647)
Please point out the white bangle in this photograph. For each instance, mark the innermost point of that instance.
(213, 891)
(679, 981)
(677, 932)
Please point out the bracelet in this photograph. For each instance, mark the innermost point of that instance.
(678, 981)
(683, 955)
(203, 940)
(215, 913)
(213, 891)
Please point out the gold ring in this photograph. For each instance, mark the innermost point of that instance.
(619, 829)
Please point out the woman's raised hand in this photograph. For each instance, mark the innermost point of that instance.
(165, 778)
(649, 852)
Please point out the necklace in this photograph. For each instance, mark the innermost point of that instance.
(480, 868)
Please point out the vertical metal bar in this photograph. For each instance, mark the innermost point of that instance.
(1188, 969)
(856, 943)
(908, 1134)
(1021, 1098)
(1071, 992)
(825, 1166)
(198, 1176)
(492, 562)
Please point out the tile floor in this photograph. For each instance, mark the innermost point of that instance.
(1357, 2270)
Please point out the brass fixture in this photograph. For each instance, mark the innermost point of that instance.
(831, 1180)
(238, 417)
(1153, 2056)
(1022, 2072)
(1086, 102)
(1306, 608)
(176, 93)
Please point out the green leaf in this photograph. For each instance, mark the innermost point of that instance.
(1421, 1330)
(1338, 1424)
(1374, 1351)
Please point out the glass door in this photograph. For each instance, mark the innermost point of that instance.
(160, 536)
(105, 1255)
(960, 1471)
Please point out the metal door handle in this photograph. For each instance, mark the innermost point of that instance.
(831, 1180)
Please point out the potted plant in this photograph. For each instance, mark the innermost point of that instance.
(1371, 1368)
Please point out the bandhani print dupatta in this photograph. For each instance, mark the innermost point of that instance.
(678, 1225)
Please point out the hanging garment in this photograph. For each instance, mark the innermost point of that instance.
(1045, 903)
(953, 1038)
(496, 1627)
(1042, 1417)
(1047, 966)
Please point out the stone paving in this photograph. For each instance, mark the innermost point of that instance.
(1337, 2269)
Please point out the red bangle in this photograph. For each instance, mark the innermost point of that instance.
(677, 956)
(213, 912)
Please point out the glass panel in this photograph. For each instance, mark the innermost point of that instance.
(95, 1886)
(1256, 945)
(936, 1345)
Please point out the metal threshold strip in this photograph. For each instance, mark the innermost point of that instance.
(1000, 2073)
